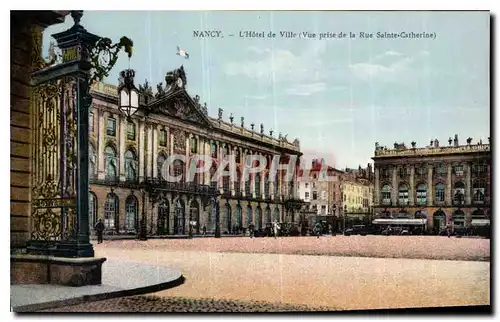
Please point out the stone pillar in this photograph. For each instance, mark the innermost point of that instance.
(154, 148)
(377, 186)
(394, 195)
(101, 164)
(149, 153)
(412, 189)
(233, 175)
(468, 184)
(122, 124)
(430, 186)
(448, 198)
(141, 155)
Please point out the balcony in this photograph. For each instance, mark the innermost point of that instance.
(187, 187)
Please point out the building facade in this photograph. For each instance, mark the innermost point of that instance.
(449, 186)
(357, 195)
(127, 166)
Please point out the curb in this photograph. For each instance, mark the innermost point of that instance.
(30, 308)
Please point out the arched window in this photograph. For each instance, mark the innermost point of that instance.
(258, 218)
(479, 190)
(386, 194)
(130, 166)
(225, 151)
(440, 192)
(403, 194)
(178, 169)
(257, 185)
(213, 150)
(110, 159)
(213, 176)
(249, 217)
(160, 161)
(238, 156)
(92, 210)
(111, 211)
(92, 162)
(193, 144)
(268, 215)
(247, 185)
(459, 193)
(421, 194)
(239, 217)
(131, 214)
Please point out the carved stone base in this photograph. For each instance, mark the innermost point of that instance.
(40, 269)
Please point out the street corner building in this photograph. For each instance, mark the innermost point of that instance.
(128, 183)
(441, 187)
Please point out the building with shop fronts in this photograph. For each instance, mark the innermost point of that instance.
(357, 195)
(127, 164)
(445, 186)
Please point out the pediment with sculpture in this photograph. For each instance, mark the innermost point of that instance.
(173, 100)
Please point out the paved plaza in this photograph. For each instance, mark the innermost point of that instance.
(267, 274)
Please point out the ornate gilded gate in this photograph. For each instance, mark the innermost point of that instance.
(59, 148)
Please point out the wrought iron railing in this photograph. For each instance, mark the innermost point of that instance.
(190, 187)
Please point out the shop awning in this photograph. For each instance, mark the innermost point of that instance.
(400, 221)
(480, 222)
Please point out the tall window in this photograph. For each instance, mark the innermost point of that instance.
(110, 211)
(130, 214)
(276, 185)
(91, 122)
(247, 186)
(238, 156)
(315, 195)
(130, 166)
(213, 150)
(178, 168)
(459, 193)
(441, 170)
(459, 170)
(479, 189)
(163, 137)
(403, 172)
(386, 195)
(257, 185)
(384, 172)
(131, 131)
(440, 192)
(421, 194)
(92, 210)
(159, 165)
(266, 185)
(237, 187)
(225, 181)
(111, 126)
(307, 195)
(92, 162)
(479, 169)
(193, 145)
(403, 194)
(110, 159)
(225, 151)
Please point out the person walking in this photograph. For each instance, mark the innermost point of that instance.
(276, 227)
(204, 230)
(99, 228)
(250, 230)
(317, 229)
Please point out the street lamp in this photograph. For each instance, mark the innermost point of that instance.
(128, 94)
(345, 212)
(334, 228)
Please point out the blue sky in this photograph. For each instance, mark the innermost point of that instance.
(338, 96)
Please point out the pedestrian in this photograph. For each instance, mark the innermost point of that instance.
(204, 230)
(99, 228)
(317, 229)
(250, 230)
(276, 227)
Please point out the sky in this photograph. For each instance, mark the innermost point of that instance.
(337, 96)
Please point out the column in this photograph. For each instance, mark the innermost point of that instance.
(394, 195)
(142, 159)
(101, 173)
(411, 192)
(377, 186)
(447, 196)
(430, 186)
(122, 124)
(233, 175)
(468, 184)
(208, 151)
(154, 145)
(149, 153)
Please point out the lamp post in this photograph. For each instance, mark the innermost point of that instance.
(142, 228)
(217, 217)
(334, 228)
(345, 213)
(128, 94)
